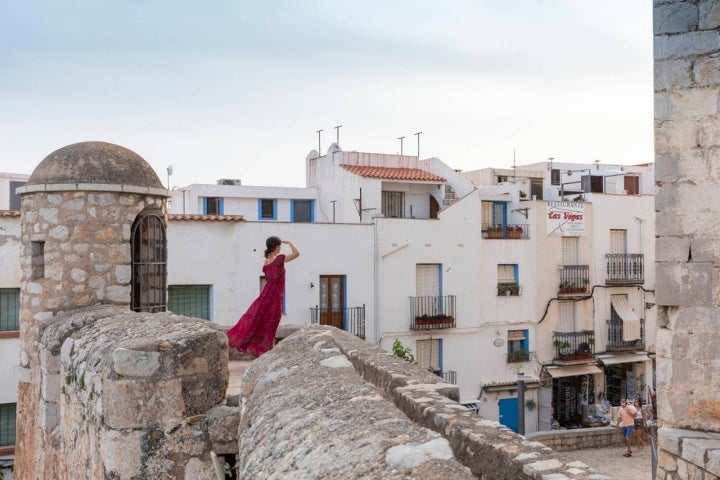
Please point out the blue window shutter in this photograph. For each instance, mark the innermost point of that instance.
(292, 210)
(275, 209)
(440, 356)
(526, 342)
(204, 207)
(221, 206)
(259, 208)
(312, 211)
(516, 273)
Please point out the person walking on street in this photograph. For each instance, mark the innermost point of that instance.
(626, 421)
(640, 425)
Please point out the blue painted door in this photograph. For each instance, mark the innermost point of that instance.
(509, 413)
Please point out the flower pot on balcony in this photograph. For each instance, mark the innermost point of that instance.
(514, 234)
(494, 233)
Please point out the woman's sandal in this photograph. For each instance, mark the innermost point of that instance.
(627, 454)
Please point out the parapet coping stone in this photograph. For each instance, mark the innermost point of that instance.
(487, 448)
(91, 187)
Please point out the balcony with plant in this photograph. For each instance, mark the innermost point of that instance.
(518, 356)
(511, 289)
(505, 231)
(570, 346)
(574, 280)
(432, 312)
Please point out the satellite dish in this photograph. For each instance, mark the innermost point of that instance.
(170, 169)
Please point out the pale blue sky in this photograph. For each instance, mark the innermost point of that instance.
(237, 89)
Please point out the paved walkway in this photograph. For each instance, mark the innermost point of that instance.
(610, 462)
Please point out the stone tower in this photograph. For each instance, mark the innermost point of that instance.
(687, 154)
(92, 232)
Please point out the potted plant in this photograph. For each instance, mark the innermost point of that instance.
(515, 231)
(523, 194)
(495, 231)
(530, 404)
(508, 289)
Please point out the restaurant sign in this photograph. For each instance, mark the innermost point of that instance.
(565, 219)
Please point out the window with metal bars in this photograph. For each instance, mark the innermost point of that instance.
(9, 309)
(190, 300)
(149, 262)
(7, 423)
(393, 204)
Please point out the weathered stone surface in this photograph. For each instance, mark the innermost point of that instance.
(691, 43)
(675, 73)
(709, 15)
(686, 284)
(692, 103)
(296, 407)
(135, 363)
(675, 18)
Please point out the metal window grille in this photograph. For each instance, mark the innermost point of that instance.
(393, 204)
(267, 208)
(149, 264)
(7, 423)
(190, 300)
(9, 309)
(555, 176)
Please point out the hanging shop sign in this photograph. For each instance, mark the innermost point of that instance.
(565, 219)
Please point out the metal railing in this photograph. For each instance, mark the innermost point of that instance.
(450, 376)
(352, 319)
(574, 345)
(432, 312)
(615, 336)
(625, 268)
(509, 231)
(574, 279)
(509, 289)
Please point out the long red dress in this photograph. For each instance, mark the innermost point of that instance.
(255, 331)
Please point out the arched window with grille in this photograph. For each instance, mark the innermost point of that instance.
(149, 262)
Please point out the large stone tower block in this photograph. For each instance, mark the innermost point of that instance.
(92, 232)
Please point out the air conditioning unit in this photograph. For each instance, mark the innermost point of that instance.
(229, 181)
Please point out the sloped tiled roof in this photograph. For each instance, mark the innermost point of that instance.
(9, 213)
(176, 217)
(389, 173)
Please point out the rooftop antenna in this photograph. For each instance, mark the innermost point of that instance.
(169, 172)
(514, 166)
(550, 163)
(401, 142)
(597, 164)
(337, 134)
(417, 134)
(319, 149)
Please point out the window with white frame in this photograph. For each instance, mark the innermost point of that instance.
(393, 204)
(566, 317)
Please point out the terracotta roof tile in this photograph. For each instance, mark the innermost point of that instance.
(205, 218)
(10, 213)
(389, 173)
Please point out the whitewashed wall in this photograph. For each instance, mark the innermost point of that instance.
(229, 256)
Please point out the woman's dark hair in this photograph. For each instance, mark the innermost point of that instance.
(271, 243)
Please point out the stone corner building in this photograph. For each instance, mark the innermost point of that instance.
(107, 380)
(687, 150)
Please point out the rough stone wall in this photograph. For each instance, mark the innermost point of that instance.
(128, 395)
(687, 148)
(324, 404)
(86, 260)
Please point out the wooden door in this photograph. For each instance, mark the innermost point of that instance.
(332, 298)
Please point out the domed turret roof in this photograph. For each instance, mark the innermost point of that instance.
(95, 163)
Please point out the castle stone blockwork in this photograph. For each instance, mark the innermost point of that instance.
(687, 149)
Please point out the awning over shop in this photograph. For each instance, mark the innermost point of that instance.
(631, 322)
(573, 370)
(625, 358)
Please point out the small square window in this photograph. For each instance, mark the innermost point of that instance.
(267, 209)
(213, 206)
(302, 211)
(9, 309)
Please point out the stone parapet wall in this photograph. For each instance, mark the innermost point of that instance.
(324, 404)
(688, 454)
(127, 395)
(579, 439)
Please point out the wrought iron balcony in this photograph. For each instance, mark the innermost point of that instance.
(510, 231)
(574, 279)
(432, 312)
(625, 268)
(574, 345)
(615, 336)
(511, 289)
(350, 319)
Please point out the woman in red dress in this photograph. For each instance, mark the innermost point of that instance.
(255, 331)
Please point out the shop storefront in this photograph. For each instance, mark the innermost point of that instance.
(573, 395)
(625, 376)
